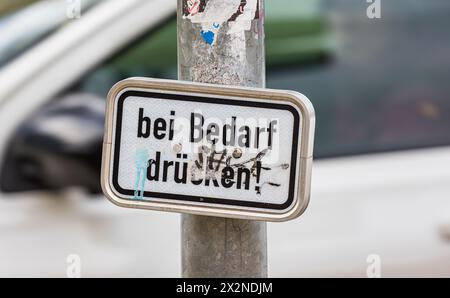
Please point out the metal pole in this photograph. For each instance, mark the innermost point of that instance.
(222, 42)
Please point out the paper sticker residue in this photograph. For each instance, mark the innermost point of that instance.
(212, 14)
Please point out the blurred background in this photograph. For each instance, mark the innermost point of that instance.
(381, 179)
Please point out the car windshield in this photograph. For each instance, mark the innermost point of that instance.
(23, 26)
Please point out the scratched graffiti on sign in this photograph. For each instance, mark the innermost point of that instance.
(220, 167)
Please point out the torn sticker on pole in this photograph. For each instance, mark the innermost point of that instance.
(213, 14)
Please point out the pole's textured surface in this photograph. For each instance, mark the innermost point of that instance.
(222, 42)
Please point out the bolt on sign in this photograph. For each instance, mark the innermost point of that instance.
(207, 149)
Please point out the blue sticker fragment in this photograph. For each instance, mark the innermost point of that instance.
(208, 36)
(141, 163)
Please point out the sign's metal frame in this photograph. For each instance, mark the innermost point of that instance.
(304, 155)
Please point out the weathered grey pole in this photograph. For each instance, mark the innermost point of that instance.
(222, 42)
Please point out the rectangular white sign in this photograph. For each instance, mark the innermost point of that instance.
(211, 150)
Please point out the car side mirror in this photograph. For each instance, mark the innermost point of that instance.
(57, 147)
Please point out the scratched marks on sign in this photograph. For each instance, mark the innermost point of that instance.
(210, 165)
(213, 14)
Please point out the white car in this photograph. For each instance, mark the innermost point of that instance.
(380, 202)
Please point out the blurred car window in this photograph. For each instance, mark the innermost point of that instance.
(377, 84)
(23, 26)
(387, 85)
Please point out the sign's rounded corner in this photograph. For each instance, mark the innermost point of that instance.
(303, 103)
(292, 212)
(120, 86)
(109, 193)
